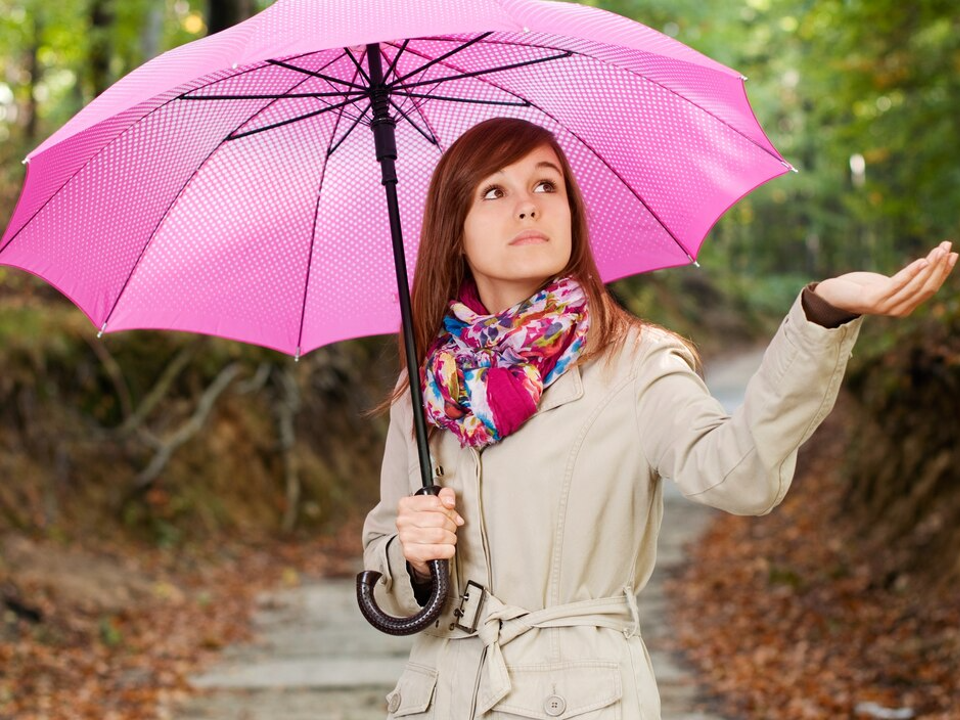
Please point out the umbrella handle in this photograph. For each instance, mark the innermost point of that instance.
(440, 579)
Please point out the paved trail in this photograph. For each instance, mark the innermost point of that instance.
(318, 659)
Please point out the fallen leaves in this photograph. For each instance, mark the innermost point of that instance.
(125, 649)
(788, 618)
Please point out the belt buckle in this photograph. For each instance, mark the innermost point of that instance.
(459, 612)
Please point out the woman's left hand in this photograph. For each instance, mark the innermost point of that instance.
(868, 293)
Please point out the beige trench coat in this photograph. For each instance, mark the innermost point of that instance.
(562, 519)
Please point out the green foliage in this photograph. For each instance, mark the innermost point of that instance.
(832, 81)
(110, 633)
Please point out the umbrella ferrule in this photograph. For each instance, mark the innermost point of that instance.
(103, 329)
(296, 358)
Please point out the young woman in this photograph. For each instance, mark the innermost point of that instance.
(555, 416)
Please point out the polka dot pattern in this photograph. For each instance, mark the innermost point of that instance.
(190, 197)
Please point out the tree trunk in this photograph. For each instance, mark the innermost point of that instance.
(222, 14)
(152, 32)
(33, 68)
(101, 21)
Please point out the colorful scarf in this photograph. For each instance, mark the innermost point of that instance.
(484, 374)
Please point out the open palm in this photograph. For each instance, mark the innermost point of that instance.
(869, 293)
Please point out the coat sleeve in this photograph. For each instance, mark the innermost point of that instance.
(741, 463)
(382, 550)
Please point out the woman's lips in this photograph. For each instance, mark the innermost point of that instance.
(530, 240)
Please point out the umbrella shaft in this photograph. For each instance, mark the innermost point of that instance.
(384, 137)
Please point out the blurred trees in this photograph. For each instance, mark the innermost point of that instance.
(862, 96)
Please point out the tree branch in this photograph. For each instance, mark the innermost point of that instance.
(160, 390)
(287, 407)
(115, 373)
(188, 430)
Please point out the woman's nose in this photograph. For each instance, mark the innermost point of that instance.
(527, 209)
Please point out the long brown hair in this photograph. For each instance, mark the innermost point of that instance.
(442, 267)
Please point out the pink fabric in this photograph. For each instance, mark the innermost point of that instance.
(470, 296)
(146, 214)
(510, 404)
(480, 364)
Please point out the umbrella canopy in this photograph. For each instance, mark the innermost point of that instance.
(230, 186)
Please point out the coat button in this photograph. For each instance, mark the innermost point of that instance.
(394, 703)
(554, 705)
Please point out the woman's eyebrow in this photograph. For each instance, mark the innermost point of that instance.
(539, 165)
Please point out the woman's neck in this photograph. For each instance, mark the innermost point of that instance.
(501, 295)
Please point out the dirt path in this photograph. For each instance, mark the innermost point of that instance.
(318, 659)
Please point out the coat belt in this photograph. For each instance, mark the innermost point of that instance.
(500, 623)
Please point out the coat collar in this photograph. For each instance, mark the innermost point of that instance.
(566, 388)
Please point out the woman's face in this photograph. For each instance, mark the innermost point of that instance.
(528, 196)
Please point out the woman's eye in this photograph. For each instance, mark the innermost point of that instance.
(488, 190)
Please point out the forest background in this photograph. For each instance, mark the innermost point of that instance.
(177, 442)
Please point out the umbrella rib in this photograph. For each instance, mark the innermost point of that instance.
(588, 146)
(316, 215)
(281, 123)
(651, 81)
(475, 73)
(357, 63)
(341, 93)
(416, 106)
(523, 103)
(120, 135)
(430, 138)
(166, 212)
(101, 150)
(392, 70)
(332, 148)
(313, 237)
(302, 117)
(393, 65)
(312, 73)
(441, 58)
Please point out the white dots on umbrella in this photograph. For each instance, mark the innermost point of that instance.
(234, 66)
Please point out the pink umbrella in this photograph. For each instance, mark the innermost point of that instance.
(224, 187)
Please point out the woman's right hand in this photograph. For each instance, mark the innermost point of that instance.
(427, 526)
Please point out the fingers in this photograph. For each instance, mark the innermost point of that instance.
(924, 283)
(911, 283)
(442, 504)
(427, 526)
(448, 497)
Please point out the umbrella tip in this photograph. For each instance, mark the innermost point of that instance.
(789, 166)
(296, 358)
(693, 260)
(744, 78)
(102, 330)
(25, 161)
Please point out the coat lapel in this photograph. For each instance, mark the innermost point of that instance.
(566, 388)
